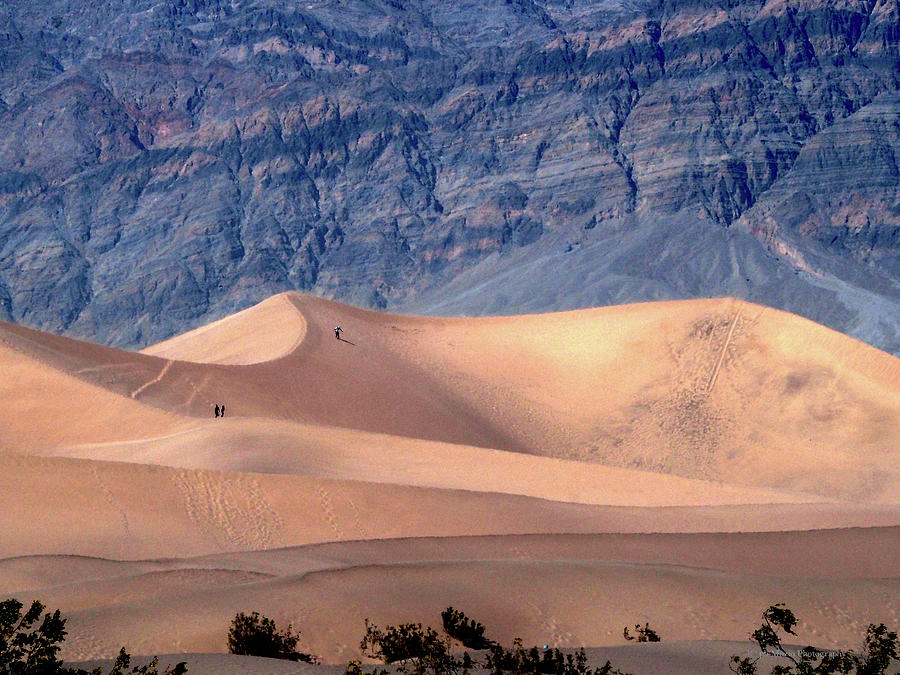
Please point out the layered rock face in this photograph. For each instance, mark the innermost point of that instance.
(163, 164)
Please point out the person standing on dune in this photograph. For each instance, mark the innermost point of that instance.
(217, 409)
(337, 332)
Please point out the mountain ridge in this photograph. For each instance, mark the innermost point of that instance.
(167, 165)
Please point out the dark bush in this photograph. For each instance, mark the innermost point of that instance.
(415, 648)
(29, 648)
(355, 668)
(25, 645)
(882, 648)
(534, 661)
(420, 650)
(641, 634)
(467, 631)
(120, 667)
(253, 635)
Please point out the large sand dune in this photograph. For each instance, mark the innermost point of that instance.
(560, 589)
(557, 476)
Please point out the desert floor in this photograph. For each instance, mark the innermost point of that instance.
(557, 477)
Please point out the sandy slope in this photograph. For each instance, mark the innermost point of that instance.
(712, 389)
(561, 589)
(558, 476)
(251, 445)
(709, 389)
(271, 329)
(671, 658)
(45, 407)
(127, 511)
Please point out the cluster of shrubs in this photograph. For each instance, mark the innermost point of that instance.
(468, 632)
(415, 649)
(30, 645)
(31, 648)
(641, 634)
(252, 635)
(420, 650)
(882, 648)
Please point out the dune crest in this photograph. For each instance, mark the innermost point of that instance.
(264, 332)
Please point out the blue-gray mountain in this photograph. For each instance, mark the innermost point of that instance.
(163, 163)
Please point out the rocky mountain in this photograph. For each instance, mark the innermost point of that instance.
(163, 163)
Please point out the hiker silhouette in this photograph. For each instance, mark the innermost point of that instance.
(217, 409)
(337, 332)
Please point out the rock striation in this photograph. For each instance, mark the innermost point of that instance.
(165, 164)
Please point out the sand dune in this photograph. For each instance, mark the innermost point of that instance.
(670, 657)
(45, 407)
(558, 476)
(258, 446)
(712, 389)
(562, 589)
(707, 389)
(271, 329)
(128, 511)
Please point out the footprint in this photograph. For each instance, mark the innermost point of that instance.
(232, 512)
(328, 510)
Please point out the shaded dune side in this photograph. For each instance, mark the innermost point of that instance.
(843, 553)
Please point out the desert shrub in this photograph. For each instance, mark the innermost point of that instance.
(416, 649)
(255, 635)
(641, 634)
(120, 667)
(421, 650)
(467, 631)
(533, 661)
(881, 649)
(27, 646)
(355, 668)
(31, 648)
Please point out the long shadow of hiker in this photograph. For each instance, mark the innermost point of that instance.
(347, 341)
